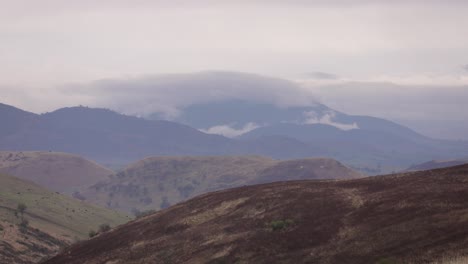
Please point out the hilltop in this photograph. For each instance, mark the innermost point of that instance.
(417, 217)
(53, 221)
(436, 164)
(61, 172)
(157, 182)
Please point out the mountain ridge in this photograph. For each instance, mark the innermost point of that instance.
(115, 140)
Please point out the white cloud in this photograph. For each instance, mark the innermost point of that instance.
(229, 131)
(327, 119)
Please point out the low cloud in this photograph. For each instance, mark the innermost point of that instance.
(327, 119)
(229, 131)
(321, 76)
(169, 94)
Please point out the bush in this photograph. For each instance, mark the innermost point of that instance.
(23, 225)
(139, 214)
(280, 224)
(92, 233)
(104, 228)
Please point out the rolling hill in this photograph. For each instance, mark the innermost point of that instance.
(61, 172)
(108, 137)
(417, 217)
(50, 221)
(436, 164)
(157, 182)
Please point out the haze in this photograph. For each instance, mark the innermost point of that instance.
(402, 60)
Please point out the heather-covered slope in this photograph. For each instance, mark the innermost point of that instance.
(417, 217)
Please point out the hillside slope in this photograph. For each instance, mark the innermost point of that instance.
(54, 220)
(415, 217)
(436, 164)
(61, 172)
(157, 182)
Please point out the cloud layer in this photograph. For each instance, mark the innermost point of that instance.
(327, 119)
(229, 130)
(167, 94)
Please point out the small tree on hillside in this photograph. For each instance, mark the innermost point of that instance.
(21, 208)
(104, 228)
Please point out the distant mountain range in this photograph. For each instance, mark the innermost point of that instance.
(417, 217)
(368, 144)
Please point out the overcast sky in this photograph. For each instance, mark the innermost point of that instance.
(411, 53)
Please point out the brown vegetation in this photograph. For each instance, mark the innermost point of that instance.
(418, 217)
(61, 172)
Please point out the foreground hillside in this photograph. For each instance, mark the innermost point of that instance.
(61, 172)
(49, 221)
(415, 217)
(157, 182)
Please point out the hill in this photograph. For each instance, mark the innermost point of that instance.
(417, 217)
(368, 144)
(382, 146)
(109, 137)
(157, 182)
(61, 172)
(50, 221)
(436, 164)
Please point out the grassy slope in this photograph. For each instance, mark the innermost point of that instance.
(58, 216)
(56, 171)
(154, 183)
(418, 217)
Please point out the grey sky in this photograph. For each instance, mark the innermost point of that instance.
(419, 45)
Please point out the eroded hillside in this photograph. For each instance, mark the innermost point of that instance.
(158, 182)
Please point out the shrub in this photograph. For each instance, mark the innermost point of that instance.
(144, 213)
(280, 224)
(20, 210)
(92, 233)
(23, 225)
(104, 228)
